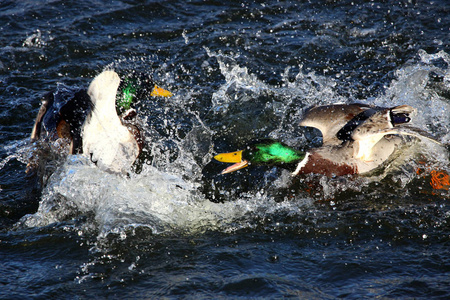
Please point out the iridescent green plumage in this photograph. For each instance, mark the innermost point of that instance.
(125, 99)
(273, 153)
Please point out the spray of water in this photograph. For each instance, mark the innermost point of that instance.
(165, 196)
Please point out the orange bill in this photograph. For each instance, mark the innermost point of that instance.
(160, 92)
(232, 157)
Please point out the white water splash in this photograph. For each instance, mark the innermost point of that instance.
(161, 201)
(412, 87)
(167, 199)
(240, 85)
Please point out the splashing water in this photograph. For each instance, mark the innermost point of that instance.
(165, 196)
(157, 200)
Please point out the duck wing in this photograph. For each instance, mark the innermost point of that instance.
(330, 119)
(47, 102)
(384, 122)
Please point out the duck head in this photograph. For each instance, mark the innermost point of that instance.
(266, 152)
(133, 87)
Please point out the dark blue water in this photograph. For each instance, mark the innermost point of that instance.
(239, 71)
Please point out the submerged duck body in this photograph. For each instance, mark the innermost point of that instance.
(88, 121)
(357, 139)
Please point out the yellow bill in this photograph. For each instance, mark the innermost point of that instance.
(160, 92)
(232, 157)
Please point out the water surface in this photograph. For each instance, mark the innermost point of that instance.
(239, 71)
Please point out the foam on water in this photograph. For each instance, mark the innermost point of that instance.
(158, 200)
(153, 198)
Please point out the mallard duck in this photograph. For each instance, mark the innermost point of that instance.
(88, 119)
(357, 139)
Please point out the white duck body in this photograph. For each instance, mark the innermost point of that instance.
(105, 139)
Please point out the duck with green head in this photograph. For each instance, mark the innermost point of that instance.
(266, 152)
(134, 87)
(357, 139)
(88, 119)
